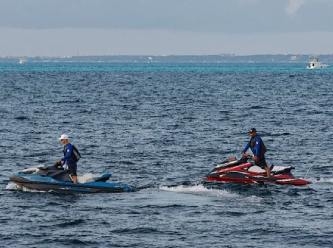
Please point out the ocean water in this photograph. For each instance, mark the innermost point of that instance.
(164, 126)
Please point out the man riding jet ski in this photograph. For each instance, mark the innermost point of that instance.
(257, 170)
(258, 149)
(56, 179)
(62, 176)
(244, 171)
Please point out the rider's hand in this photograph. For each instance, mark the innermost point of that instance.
(65, 166)
(245, 155)
(255, 159)
(58, 164)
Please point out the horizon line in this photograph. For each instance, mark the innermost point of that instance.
(165, 55)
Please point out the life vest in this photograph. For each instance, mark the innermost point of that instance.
(75, 154)
(263, 147)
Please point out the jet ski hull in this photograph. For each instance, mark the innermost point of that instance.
(256, 180)
(46, 183)
(241, 172)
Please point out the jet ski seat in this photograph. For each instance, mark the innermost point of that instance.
(274, 169)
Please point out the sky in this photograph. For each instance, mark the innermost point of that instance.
(165, 27)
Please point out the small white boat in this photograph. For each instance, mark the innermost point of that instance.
(314, 63)
(22, 61)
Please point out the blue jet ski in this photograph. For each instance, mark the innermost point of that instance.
(58, 180)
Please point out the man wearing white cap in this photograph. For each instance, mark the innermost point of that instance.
(71, 156)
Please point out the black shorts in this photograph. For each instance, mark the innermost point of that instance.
(72, 169)
(262, 164)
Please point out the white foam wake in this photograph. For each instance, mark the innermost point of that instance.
(11, 186)
(199, 190)
(87, 177)
(323, 180)
(14, 186)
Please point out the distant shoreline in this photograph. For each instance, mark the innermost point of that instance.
(223, 58)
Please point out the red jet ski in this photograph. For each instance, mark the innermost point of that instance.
(243, 171)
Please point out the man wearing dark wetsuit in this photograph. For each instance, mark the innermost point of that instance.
(258, 149)
(68, 161)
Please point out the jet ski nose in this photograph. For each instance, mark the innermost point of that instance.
(103, 178)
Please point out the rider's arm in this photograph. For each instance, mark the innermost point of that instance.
(246, 147)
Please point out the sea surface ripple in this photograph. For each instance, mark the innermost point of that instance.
(165, 126)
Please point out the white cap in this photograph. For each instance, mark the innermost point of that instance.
(64, 137)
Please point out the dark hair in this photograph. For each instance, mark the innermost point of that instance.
(253, 130)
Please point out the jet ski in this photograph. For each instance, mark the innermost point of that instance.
(58, 180)
(243, 171)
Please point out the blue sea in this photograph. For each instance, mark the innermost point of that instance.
(162, 127)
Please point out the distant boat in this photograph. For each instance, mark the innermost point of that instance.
(22, 61)
(314, 63)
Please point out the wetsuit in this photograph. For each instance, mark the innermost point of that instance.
(69, 159)
(258, 149)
